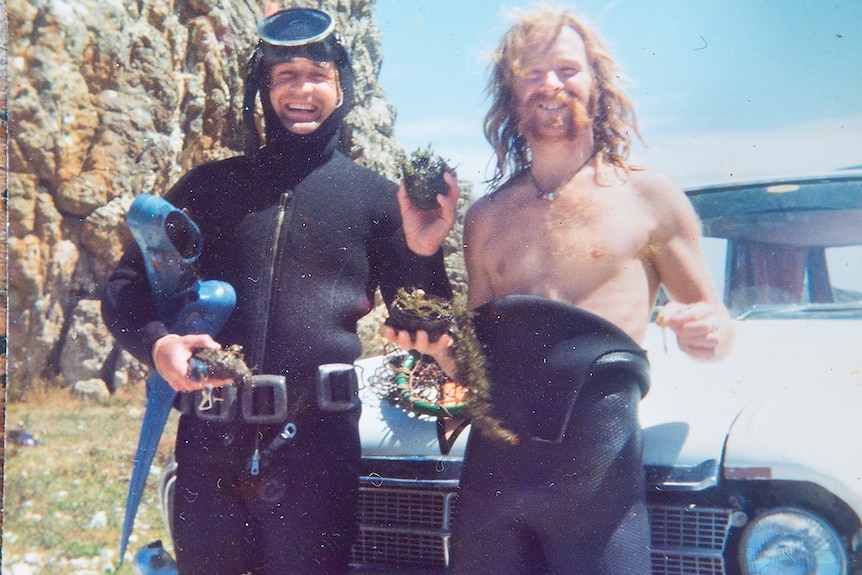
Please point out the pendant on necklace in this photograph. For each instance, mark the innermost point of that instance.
(549, 196)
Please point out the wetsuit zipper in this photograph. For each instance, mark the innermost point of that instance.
(269, 292)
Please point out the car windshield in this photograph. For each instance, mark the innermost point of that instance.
(788, 248)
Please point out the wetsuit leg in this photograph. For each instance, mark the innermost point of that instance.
(307, 505)
(213, 531)
(306, 533)
(491, 536)
(309, 534)
(595, 521)
(297, 518)
(563, 508)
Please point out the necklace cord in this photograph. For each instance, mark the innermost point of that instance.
(552, 195)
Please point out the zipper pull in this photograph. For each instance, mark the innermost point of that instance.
(254, 467)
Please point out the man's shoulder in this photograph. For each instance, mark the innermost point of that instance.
(652, 183)
(667, 200)
(485, 215)
(649, 176)
(499, 197)
(221, 171)
(485, 205)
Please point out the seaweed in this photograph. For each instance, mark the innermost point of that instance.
(227, 363)
(423, 177)
(414, 310)
(470, 361)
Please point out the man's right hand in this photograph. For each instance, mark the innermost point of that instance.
(171, 355)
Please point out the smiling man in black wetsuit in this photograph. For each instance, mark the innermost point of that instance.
(305, 236)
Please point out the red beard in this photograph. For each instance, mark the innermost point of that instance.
(537, 124)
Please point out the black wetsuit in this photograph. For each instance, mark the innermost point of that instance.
(569, 498)
(305, 240)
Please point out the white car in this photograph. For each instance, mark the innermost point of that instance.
(753, 464)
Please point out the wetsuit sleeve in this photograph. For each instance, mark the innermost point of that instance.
(394, 265)
(127, 307)
(400, 267)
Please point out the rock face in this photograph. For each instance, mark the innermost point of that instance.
(111, 99)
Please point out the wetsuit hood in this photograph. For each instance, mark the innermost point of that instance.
(323, 45)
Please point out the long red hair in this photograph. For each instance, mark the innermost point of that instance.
(614, 120)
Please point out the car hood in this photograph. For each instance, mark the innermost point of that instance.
(388, 430)
(691, 406)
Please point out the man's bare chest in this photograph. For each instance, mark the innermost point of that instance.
(563, 240)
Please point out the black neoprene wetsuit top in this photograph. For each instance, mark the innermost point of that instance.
(304, 247)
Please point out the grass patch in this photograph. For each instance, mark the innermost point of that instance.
(65, 497)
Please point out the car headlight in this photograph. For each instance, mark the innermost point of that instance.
(791, 541)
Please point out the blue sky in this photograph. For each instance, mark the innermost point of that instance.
(724, 90)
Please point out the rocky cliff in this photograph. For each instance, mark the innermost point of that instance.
(110, 99)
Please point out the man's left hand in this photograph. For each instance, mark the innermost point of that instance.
(427, 230)
(440, 350)
(700, 331)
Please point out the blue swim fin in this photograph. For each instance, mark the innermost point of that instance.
(170, 243)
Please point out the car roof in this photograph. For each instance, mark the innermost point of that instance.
(821, 210)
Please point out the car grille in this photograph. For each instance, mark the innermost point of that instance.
(688, 540)
(403, 526)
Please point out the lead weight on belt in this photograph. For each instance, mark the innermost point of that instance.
(265, 401)
(337, 387)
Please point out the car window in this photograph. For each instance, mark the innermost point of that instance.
(781, 275)
(845, 271)
(715, 254)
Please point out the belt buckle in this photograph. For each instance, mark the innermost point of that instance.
(265, 400)
(220, 405)
(337, 387)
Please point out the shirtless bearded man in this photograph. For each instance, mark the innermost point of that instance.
(571, 223)
(574, 223)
